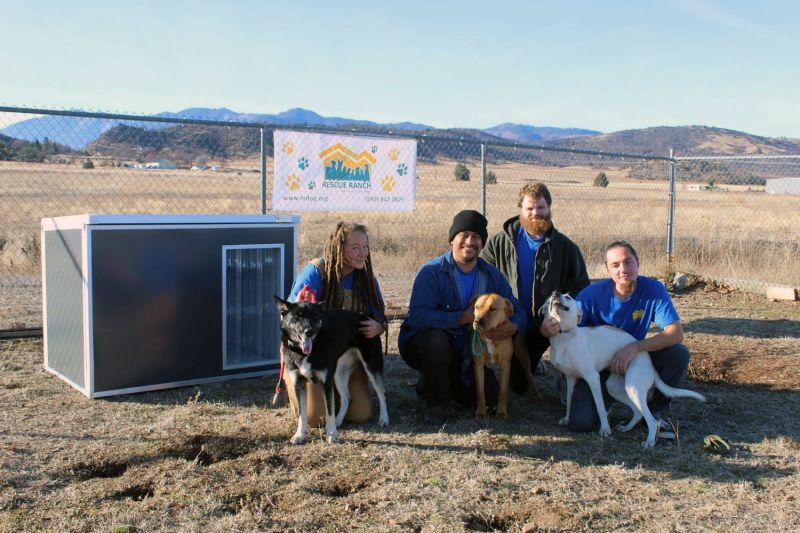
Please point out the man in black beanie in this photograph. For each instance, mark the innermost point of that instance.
(433, 336)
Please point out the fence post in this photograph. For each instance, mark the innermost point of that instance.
(671, 215)
(483, 179)
(263, 171)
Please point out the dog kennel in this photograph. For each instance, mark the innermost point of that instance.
(135, 303)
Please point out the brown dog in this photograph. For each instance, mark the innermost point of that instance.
(491, 310)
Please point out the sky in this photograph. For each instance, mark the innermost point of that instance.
(603, 65)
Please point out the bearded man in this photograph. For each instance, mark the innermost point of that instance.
(536, 259)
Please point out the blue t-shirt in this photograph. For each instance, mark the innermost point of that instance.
(526, 264)
(466, 284)
(311, 276)
(648, 304)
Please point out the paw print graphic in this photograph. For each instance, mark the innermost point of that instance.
(402, 169)
(374, 149)
(288, 148)
(394, 153)
(293, 182)
(388, 183)
(302, 163)
(311, 185)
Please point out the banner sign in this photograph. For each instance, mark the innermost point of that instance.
(326, 172)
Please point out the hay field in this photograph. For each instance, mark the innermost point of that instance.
(736, 235)
(216, 457)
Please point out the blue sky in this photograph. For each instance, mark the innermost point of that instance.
(609, 65)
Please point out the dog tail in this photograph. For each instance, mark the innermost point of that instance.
(672, 392)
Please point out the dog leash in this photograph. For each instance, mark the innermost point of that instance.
(306, 294)
(477, 344)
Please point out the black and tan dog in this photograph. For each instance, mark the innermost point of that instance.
(325, 346)
(491, 310)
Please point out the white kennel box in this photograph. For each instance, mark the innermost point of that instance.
(136, 303)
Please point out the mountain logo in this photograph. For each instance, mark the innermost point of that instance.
(343, 164)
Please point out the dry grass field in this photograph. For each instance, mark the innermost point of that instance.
(216, 457)
(738, 236)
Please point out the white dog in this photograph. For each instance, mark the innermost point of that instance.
(584, 352)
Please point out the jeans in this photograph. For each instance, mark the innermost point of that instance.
(537, 344)
(439, 365)
(671, 364)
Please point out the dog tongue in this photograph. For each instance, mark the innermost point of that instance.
(306, 346)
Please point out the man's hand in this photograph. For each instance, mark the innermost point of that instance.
(371, 328)
(549, 327)
(624, 357)
(502, 331)
(467, 317)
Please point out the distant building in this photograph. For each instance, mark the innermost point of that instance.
(783, 186)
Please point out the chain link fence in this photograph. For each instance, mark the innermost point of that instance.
(716, 219)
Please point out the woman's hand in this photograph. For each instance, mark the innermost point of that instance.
(371, 328)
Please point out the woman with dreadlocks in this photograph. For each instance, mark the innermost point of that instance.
(343, 279)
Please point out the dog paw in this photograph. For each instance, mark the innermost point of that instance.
(302, 163)
(402, 169)
(605, 431)
(288, 148)
(293, 182)
(298, 439)
(388, 183)
(647, 444)
(332, 438)
(564, 421)
(394, 153)
(383, 422)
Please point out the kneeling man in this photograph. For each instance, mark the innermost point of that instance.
(631, 303)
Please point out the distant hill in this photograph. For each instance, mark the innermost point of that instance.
(79, 132)
(12, 149)
(685, 140)
(525, 133)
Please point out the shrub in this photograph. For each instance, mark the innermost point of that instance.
(88, 164)
(491, 177)
(601, 180)
(461, 172)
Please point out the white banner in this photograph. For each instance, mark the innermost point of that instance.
(324, 172)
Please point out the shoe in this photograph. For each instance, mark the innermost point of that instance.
(664, 430)
(436, 415)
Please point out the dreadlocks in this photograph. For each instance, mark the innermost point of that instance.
(364, 286)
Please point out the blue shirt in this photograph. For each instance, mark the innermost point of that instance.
(466, 282)
(311, 276)
(648, 304)
(526, 247)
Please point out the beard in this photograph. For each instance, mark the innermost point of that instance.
(537, 226)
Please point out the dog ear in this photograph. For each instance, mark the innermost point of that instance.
(509, 308)
(473, 300)
(580, 312)
(283, 305)
(545, 305)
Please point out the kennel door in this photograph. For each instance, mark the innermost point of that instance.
(252, 274)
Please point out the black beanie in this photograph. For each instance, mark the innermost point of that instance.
(469, 220)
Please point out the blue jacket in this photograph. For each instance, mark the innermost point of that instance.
(436, 299)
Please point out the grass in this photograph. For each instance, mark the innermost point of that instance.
(740, 237)
(216, 457)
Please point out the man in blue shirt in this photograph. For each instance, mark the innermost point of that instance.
(433, 337)
(629, 302)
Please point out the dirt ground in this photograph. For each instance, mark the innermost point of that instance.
(217, 457)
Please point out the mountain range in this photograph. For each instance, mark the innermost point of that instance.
(78, 133)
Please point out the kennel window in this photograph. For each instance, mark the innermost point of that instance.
(252, 274)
